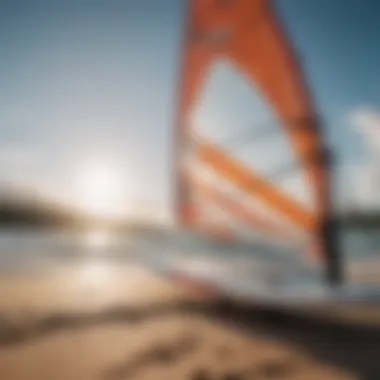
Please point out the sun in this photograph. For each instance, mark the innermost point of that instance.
(100, 191)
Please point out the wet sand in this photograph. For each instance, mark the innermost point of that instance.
(126, 323)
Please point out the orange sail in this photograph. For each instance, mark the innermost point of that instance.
(249, 34)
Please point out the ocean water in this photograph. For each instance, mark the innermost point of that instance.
(258, 268)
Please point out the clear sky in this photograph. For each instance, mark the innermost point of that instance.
(86, 84)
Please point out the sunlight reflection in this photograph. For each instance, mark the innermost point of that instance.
(97, 239)
(95, 273)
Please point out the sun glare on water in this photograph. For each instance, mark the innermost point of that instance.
(95, 273)
(97, 239)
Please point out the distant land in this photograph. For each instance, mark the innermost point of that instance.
(20, 209)
(35, 211)
(31, 210)
(360, 219)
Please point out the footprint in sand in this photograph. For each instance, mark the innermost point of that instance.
(274, 369)
(224, 352)
(201, 374)
(162, 354)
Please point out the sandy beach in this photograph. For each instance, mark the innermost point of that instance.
(130, 324)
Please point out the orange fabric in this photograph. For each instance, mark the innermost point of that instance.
(249, 34)
(245, 215)
(246, 179)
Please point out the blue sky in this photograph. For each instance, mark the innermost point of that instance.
(95, 81)
(337, 43)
